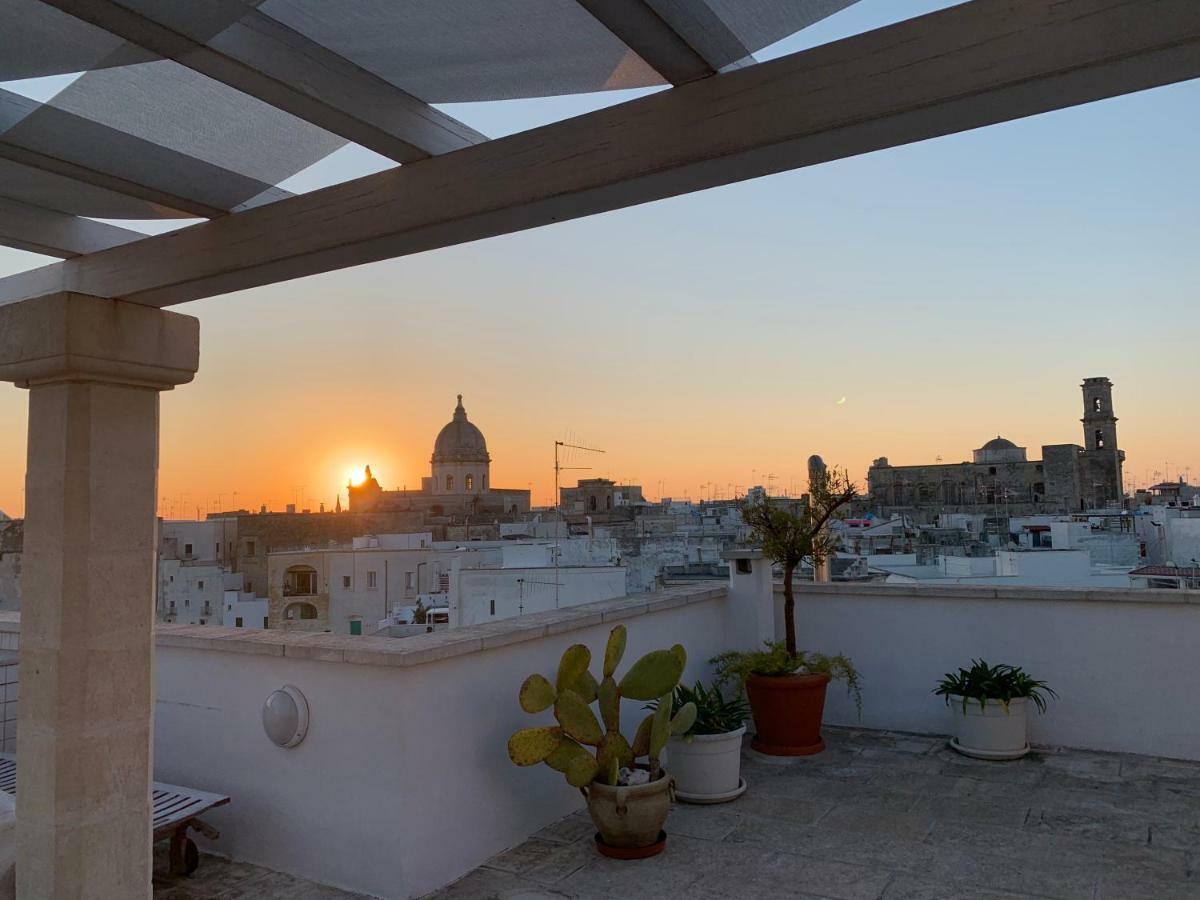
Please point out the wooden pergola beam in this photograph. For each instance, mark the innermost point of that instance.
(971, 65)
(262, 57)
(642, 30)
(54, 233)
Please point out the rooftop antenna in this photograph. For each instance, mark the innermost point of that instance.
(558, 467)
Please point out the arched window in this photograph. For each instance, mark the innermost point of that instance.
(608, 502)
(1095, 404)
(591, 502)
(449, 482)
(483, 482)
(296, 611)
(300, 581)
(469, 482)
(1099, 439)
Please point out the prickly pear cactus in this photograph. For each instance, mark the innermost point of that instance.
(566, 747)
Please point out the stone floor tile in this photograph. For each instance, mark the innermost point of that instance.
(908, 887)
(1096, 822)
(567, 830)
(1177, 837)
(669, 875)
(524, 856)
(709, 823)
(784, 875)
(492, 884)
(1004, 813)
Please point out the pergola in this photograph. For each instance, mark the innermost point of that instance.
(202, 109)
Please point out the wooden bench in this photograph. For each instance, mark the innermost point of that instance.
(176, 809)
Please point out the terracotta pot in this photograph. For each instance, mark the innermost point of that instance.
(630, 816)
(787, 713)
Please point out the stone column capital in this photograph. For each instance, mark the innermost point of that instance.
(68, 337)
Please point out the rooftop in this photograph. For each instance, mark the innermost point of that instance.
(899, 817)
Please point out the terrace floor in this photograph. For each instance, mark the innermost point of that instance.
(898, 817)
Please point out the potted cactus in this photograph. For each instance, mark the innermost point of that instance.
(628, 800)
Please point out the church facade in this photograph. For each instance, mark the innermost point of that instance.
(1000, 477)
(459, 483)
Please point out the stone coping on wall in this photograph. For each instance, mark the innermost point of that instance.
(422, 648)
(1026, 593)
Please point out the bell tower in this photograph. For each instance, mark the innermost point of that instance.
(1101, 463)
(1099, 423)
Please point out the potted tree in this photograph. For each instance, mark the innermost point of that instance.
(628, 801)
(990, 706)
(706, 760)
(786, 687)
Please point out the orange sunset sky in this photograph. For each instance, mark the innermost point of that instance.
(950, 291)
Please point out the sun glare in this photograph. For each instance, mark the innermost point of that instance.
(355, 477)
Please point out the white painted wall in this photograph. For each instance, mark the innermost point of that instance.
(354, 804)
(1125, 664)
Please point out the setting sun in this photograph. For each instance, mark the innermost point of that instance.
(355, 476)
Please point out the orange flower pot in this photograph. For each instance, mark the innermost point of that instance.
(787, 713)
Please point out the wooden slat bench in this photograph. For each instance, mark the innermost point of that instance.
(176, 809)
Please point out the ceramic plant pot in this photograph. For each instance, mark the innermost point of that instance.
(787, 713)
(990, 731)
(707, 768)
(629, 817)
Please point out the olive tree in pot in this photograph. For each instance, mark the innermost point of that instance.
(786, 687)
(991, 705)
(628, 801)
(706, 760)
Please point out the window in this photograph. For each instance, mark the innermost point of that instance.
(356, 626)
(469, 482)
(202, 622)
(264, 621)
(346, 582)
(237, 623)
(217, 551)
(492, 606)
(250, 548)
(408, 581)
(300, 611)
(1099, 439)
(200, 585)
(991, 470)
(187, 549)
(591, 503)
(743, 567)
(172, 606)
(299, 581)
(1095, 404)
(187, 601)
(371, 580)
(449, 482)
(172, 577)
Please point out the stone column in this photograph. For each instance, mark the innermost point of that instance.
(94, 369)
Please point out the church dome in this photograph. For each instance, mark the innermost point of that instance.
(999, 443)
(460, 441)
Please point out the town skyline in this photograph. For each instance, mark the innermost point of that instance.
(949, 290)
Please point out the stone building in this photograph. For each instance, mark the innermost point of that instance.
(1067, 478)
(600, 495)
(459, 484)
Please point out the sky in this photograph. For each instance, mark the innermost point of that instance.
(910, 303)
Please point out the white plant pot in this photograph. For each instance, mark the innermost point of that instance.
(991, 731)
(707, 769)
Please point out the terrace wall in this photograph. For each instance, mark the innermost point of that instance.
(1125, 663)
(403, 783)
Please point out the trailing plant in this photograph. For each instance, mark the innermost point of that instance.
(1002, 683)
(564, 747)
(777, 660)
(714, 713)
(791, 532)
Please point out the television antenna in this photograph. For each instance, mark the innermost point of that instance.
(559, 468)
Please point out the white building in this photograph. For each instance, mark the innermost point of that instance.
(374, 582)
(194, 562)
(1040, 568)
